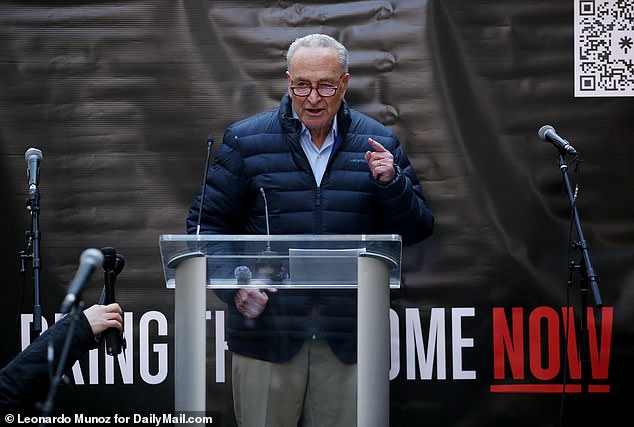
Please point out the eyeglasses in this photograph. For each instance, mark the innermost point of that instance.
(324, 91)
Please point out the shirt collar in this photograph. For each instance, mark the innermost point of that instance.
(333, 129)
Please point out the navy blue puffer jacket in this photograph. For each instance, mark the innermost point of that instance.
(264, 152)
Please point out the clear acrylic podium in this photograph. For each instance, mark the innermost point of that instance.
(369, 263)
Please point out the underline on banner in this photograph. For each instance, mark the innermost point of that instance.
(548, 388)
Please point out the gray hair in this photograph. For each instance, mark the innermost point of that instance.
(318, 40)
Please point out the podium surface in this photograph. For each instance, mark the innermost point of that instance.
(292, 252)
(369, 263)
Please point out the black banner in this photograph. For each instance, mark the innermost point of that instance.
(120, 97)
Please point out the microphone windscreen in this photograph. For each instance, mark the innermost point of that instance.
(542, 131)
(33, 152)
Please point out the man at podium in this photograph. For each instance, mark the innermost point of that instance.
(311, 166)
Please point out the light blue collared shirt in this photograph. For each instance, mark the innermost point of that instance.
(318, 158)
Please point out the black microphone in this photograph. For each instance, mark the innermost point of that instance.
(119, 264)
(109, 257)
(33, 157)
(112, 265)
(547, 133)
(112, 260)
(89, 260)
(210, 142)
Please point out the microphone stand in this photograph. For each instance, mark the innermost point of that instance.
(49, 404)
(33, 253)
(588, 276)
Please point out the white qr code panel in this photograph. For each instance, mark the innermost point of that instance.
(604, 48)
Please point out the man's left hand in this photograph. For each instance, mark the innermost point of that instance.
(380, 161)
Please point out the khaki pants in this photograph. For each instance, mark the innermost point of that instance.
(314, 386)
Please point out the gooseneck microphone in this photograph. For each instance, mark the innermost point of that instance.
(89, 260)
(547, 133)
(269, 265)
(112, 265)
(33, 157)
(210, 142)
(266, 218)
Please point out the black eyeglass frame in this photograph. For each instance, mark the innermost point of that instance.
(318, 88)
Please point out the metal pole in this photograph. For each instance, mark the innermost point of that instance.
(373, 356)
(190, 338)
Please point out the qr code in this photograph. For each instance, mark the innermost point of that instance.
(604, 48)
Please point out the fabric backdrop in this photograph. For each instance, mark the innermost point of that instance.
(120, 98)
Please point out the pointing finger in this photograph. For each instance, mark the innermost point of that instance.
(376, 145)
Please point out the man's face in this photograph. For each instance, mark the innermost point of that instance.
(315, 67)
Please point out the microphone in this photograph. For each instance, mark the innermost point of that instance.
(210, 142)
(113, 265)
(89, 260)
(243, 279)
(109, 257)
(269, 266)
(112, 260)
(33, 157)
(243, 275)
(119, 264)
(266, 218)
(547, 133)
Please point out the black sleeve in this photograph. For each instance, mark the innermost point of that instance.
(25, 380)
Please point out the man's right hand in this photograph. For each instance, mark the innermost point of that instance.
(251, 302)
